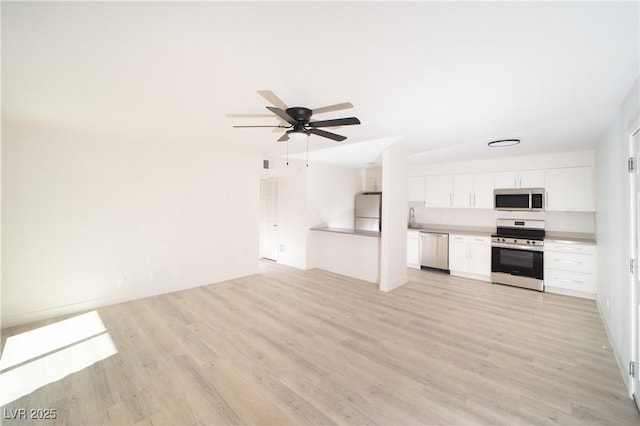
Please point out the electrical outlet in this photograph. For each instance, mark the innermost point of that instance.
(281, 248)
(121, 281)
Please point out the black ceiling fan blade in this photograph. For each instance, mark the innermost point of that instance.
(272, 98)
(326, 134)
(284, 137)
(281, 125)
(336, 107)
(248, 115)
(282, 114)
(277, 127)
(337, 122)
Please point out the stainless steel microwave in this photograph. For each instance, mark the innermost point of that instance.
(519, 199)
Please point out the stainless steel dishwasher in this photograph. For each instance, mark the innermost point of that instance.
(434, 251)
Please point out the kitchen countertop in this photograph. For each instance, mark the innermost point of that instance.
(551, 236)
(454, 229)
(570, 237)
(348, 231)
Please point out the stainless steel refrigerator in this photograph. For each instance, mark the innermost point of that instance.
(368, 211)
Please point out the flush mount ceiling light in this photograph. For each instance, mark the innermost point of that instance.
(504, 142)
(298, 136)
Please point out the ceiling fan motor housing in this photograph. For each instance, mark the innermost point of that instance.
(300, 114)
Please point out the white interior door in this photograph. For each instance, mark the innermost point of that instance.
(635, 278)
(269, 195)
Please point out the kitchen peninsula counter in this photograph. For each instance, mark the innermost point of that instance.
(348, 231)
(346, 251)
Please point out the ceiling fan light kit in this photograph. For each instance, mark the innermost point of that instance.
(503, 143)
(298, 136)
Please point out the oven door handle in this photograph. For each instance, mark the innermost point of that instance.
(510, 246)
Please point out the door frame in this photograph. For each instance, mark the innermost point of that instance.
(263, 182)
(634, 243)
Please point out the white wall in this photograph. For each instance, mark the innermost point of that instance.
(504, 164)
(613, 228)
(318, 195)
(372, 179)
(331, 194)
(90, 221)
(554, 221)
(393, 244)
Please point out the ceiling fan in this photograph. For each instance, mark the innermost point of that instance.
(298, 119)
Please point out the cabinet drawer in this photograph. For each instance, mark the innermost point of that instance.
(569, 280)
(479, 240)
(569, 262)
(570, 248)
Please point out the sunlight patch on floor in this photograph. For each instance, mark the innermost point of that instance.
(38, 357)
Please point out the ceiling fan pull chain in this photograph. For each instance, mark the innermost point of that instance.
(287, 152)
(307, 150)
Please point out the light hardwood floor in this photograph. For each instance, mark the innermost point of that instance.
(311, 347)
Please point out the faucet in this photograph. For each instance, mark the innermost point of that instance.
(412, 216)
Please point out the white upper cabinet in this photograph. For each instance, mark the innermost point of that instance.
(473, 191)
(438, 191)
(566, 189)
(570, 189)
(483, 185)
(462, 191)
(416, 188)
(520, 179)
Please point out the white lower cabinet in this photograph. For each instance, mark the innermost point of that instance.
(413, 248)
(470, 256)
(569, 268)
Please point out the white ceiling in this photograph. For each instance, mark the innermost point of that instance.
(447, 77)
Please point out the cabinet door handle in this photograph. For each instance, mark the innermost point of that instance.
(574, 262)
(450, 199)
(470, 204)
(474, 199)
(570, 281)
(569, 249)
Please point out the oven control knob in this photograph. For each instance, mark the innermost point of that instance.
(533, 242)
(515, 241)
(528, 242)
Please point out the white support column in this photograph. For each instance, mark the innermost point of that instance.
(393, 244)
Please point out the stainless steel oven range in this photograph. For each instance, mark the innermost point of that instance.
(517, 253)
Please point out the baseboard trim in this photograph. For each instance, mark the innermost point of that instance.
(87, 305)
(574, 293)
(622, 365)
